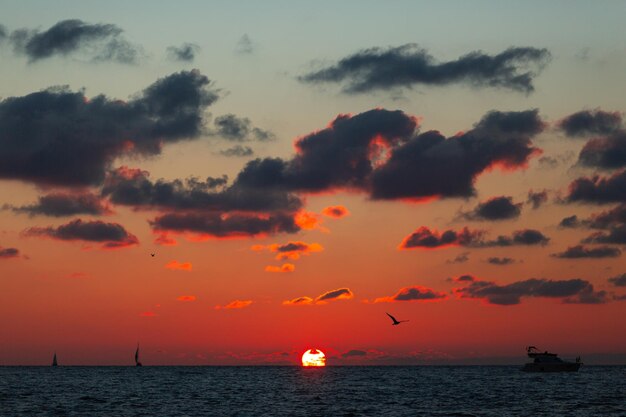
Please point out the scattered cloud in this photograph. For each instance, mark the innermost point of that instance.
(99, 42)
(335, 212)
(496, 208)
(569, 222)
(597, 189)
(615, 235)
(8, 253)
(580, 252)
(537, 198)
(237, 151)
(61, 204)
(179, 266)
(338, 294)
(459, 259)
(591, 122)
(619, 280)
(354, 353)
(111, 235)
(573, 291)
(61, 132)
(245, 46)
(299, 301)
(287, 267)
(426, 238)
(500, 261)
(408, 65)
(239, 129)
(184, 53)
(235, 305)
(291, 250)
(414, 293)
(605, 152)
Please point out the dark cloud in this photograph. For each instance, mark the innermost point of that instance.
(335, 212)
(431, 165)
(615, 235)
(353, 353)
(500, 261)
(338, 294)
(415, 293)
(519, 237)
(570, 291)
(111, 235)
(65, 204)
(429, 239)
(3, 33)
(102, 42)
(291, 250)
(184, 53)
(591, 122)
(570, 221)
(551, 162)
(580, 252)
(219, 225)
(465, 278)
(596, 189)
(237, 151)
(245, 45)
(606, 219)
(619, 280)
(133, 187)
(606, 152)
(240, 129)
(60, 137)
(537, 198)
(378, 152)
(459, 259)
(496, 208)
(7, 253)
(408, 65)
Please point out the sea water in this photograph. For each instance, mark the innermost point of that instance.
(295, 391)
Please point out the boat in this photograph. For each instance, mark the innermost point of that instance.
(137, 363)
(549, 362)
(54, 360)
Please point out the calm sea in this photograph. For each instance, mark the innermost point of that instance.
(294, 391)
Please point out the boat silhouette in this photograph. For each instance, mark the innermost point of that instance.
(54, 360)
(549, 362)
(137, 363)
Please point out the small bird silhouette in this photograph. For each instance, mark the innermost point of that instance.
(152, 254)
(395, 322)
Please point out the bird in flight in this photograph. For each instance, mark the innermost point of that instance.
(395, 322)
(152, 254)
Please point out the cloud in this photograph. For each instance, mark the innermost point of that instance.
(605, 152)
(235, 304)
(164, 240)
(426, 238)
(591, 122)
(618, 281)
(220, 225)
(408, 65)
(184, 53)
(299, 301)
(606, 219)
(338, 294)
(186, 298)
(3, 33)
(615, 235)
(237, 151)
(8, 253)
(465, 278)
(596, 189)
(133, 187)
(179, 266)
(569, 222)
(245, 46)
(459, 259)
(430, 239)
(291, 250)
(354, 353)
(61, 204)
(101, 42)
(287, 267)
(500, 261)
(335, 212)
(240, 129)
(67, 139)
(414, 293)
(496, 208)
(580, 252)
(575, 291)
(537, 198)
(111, 235)
(379, 152)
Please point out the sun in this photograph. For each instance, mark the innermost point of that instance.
(313, 357)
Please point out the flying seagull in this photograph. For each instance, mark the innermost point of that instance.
(152, 254)
(395, 322)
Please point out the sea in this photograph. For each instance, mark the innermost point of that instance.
(295, 391)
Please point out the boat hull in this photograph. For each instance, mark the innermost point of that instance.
(552, 367)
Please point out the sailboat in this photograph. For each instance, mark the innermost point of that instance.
(54, 360)
(137, 363)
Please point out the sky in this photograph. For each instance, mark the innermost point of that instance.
(233, 183)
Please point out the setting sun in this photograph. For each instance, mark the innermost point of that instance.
(313, 357)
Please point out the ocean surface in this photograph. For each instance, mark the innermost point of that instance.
(295, 391)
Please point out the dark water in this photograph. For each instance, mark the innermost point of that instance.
(293, 391)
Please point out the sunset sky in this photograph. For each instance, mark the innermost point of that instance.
(233, 183)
